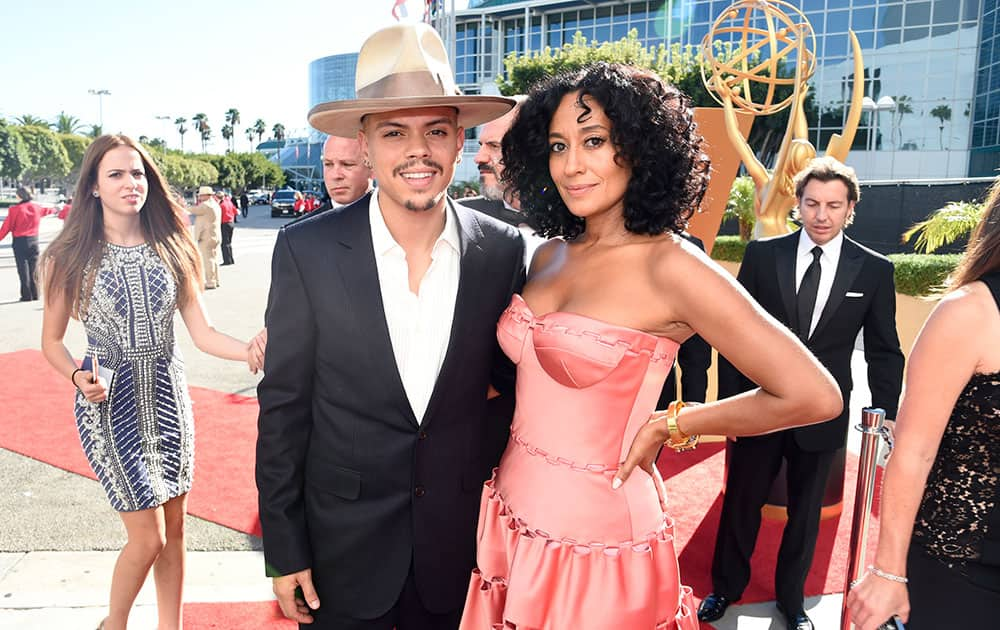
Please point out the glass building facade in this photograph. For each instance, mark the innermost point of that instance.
(332, 78)
(934, 58)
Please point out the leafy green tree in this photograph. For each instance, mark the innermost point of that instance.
(181, 129)
(75, 145)
(945, 226)
(741, 205)
(14, 159)
(260, 171)
(184, 172)
(47, 156)
(95, 131)
(260, 128)
(68, 124)
(27, 120)
(233, 118)
(144, 139)
(232, 175)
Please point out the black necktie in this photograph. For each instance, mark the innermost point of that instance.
(807, 293)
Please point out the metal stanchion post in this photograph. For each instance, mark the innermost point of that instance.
(872, 428)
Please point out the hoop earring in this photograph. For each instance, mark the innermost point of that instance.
(96, 195)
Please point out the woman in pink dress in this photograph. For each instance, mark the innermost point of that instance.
(571, 536)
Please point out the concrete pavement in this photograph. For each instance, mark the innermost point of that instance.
(59, 538)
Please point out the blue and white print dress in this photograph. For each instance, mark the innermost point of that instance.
(140, 441)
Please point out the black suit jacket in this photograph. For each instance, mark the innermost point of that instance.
(768, 273)
(349, 484)
(496, 209)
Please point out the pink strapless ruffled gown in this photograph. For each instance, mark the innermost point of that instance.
(558, 549)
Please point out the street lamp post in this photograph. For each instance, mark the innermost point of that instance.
(884, 103)
(100, 94)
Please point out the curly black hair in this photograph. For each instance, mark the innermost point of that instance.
(652, 130)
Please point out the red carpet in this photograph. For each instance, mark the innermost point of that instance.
(244, 615)
(694, 483)
(37, 421)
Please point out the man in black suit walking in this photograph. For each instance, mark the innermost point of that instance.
(382, 347)
(826, 288)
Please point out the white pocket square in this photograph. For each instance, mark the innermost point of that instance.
(853, 294)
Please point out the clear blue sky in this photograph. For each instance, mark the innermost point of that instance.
(176, 58)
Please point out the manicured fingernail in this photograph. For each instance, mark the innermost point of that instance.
(617, 483)
(314, 604)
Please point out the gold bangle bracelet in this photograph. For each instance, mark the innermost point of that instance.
(678, 440)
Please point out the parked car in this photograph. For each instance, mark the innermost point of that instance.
(259, 197)
(283, 203)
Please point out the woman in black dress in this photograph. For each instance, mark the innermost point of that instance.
(938, 559)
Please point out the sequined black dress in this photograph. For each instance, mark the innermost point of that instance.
(140, 441)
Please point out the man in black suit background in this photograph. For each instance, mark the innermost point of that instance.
(373, 445)
(826, 288)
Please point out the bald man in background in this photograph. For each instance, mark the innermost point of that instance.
(346, 176)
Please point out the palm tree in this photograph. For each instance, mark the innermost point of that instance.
(227, 135)
(260, 128)
(200, 125)
(233, 118)
(181, 129)
(251, 132)
(206, 135)
(27, 120)
(68, 124)
(903, 106)
(943, 114)
(279, 131)
(143, 139)
(95, 131)
(954, 221)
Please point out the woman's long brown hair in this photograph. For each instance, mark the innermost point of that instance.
(982, 254)
(68, 260)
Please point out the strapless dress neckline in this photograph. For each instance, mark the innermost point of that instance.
(518, 301)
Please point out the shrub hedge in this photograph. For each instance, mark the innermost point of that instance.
(916, 274)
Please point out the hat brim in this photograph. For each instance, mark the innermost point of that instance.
(343, 118)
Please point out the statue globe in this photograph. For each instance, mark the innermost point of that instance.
(762, 33)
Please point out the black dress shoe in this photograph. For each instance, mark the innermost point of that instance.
(713, 607)
(798, 621)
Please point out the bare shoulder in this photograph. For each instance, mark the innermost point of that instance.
(676, 263)
(968, 305)
(546, 255)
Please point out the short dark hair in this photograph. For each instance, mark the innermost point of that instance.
(652, 130)
(23, 194)
(827, 169)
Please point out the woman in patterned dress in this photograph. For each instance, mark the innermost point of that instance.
(938, 558)
(123, 264)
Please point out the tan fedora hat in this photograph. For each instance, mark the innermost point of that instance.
(404, 66)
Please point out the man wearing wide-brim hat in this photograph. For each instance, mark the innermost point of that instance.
(373, 442)
(208, 233)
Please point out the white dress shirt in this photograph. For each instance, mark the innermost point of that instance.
(828, 268)
(419, 324)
